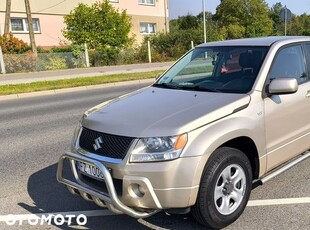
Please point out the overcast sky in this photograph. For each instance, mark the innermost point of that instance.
(183, 7)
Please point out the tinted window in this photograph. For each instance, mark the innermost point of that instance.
(289, 63)
(308, 49)
(231, 69)
(308, 57)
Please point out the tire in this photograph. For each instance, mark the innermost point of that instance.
(225, 188)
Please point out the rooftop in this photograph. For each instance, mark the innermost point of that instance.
(260, 41)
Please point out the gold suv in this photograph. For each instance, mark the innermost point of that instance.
(225, 115)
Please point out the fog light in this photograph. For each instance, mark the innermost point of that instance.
(141, 190)
(136, 191)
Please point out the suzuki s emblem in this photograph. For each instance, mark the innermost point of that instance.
(98, 143)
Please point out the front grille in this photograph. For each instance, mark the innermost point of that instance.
(112, 146)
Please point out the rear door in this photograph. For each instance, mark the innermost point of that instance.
(287, 117)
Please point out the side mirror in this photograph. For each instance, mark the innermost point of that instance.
(283, 86)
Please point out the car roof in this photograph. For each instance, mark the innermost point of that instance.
(260, 41)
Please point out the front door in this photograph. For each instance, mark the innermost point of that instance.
(287, 117)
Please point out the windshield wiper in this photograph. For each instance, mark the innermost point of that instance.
(207, 89)
(200, 88)
(167, 86)
(186, 87)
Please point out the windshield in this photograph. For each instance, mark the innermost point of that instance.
(216, 69)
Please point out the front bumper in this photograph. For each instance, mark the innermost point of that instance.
(109, 200)
(138, 190)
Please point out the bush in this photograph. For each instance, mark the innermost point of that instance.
(13, 45)
(20, 62)
(61, 49)
(172, 45)
(157, 56)
(56, 62)
(42, 50)
(104, 56)
(127, 56)
(78, 56)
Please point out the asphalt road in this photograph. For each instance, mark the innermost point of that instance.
(35, 131)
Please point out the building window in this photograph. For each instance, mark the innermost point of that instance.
(20, 25)
(147, 2)
(147, 28)
(114, 1)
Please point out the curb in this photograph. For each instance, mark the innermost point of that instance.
(75, 89)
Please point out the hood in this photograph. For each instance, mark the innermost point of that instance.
(161, 112)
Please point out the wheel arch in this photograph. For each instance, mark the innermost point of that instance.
(206, 208)
(248, 147)
(243, 143)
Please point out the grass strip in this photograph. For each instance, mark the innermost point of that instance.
(75, 82)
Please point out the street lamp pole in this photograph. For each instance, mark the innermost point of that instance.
(204, 20)
(285, 20)
(166, 19)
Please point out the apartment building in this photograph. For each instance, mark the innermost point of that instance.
(148, 17)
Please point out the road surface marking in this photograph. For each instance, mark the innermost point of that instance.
(150, 226)
(302, 200)
(104, 212)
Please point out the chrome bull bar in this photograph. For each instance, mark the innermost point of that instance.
(111, 199)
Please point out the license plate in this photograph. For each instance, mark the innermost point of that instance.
(90, 170)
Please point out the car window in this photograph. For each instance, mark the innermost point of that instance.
(308, 49)
(199, 66)
(289, 63)
(308, 57)
(231, 69)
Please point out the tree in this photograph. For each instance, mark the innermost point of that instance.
(7, 17)
(99, 26)
(299, 25)
(244, 18)
(184, 23)
(183, 31)
(274, 13)
(188, 22)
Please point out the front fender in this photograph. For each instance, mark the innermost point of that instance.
(205, 140)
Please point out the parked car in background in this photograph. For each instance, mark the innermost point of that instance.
(225, 115)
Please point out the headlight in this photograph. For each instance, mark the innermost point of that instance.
(158, 149)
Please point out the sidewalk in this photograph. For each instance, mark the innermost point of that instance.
(19, 78)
